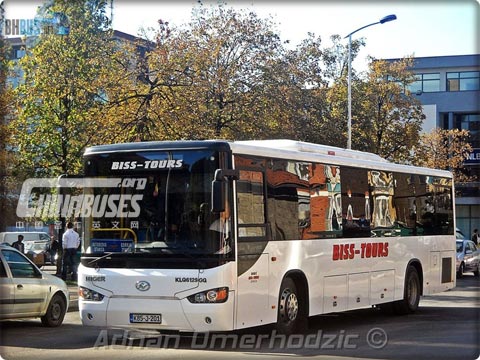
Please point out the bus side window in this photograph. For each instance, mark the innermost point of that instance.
(251, 204)
(383, 218)
(356, 202)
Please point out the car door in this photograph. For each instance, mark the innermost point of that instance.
(30, 290)
(475, 256)
(470, 256)
(7, 292)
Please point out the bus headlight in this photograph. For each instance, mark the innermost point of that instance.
(218, 295)
(88, 294)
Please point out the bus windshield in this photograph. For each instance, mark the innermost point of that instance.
(153, 202)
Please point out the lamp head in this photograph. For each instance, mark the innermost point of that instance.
(388, 18)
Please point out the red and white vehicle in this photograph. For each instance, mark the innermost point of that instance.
(218, 235)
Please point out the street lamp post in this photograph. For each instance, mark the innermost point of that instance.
(349, 125)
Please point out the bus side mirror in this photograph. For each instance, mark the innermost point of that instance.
(218, 195)
(219, 187)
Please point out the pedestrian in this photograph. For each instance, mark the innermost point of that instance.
(70, 243)
(19, 245)
(54, 247)
(475, 236)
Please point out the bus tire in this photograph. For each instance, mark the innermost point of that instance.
(411, 293)
(291, 316)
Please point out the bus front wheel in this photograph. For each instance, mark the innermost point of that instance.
(411, 293)
(291, 309)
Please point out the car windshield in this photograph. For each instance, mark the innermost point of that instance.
(459, 246)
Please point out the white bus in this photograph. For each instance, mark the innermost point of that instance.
(219, 235)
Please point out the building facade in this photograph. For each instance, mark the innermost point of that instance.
(449, 89)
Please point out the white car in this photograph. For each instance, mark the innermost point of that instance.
(26, 291)
(468, 257)
(11, 237)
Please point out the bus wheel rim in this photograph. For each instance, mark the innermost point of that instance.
(289, 305)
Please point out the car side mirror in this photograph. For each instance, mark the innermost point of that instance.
(468, 252)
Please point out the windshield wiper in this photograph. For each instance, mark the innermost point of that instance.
(100, 258)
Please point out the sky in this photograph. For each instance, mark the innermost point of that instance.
(423, 28)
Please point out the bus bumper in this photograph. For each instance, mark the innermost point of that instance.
(175, 314)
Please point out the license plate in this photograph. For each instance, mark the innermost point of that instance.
(146, 318)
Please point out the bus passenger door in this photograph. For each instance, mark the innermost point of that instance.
(252, 291)
(253, 261)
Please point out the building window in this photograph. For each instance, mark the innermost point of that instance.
(471, 122)
(17, 52)
(463, 81)
(425, 83)
(20, 53)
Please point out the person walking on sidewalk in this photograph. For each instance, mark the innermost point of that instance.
(70, 243)
(475, 236)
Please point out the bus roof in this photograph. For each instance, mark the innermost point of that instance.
(160, 145)
(280, 148)
(301, 146)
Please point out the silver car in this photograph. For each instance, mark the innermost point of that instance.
(468, 257)
(26, 291)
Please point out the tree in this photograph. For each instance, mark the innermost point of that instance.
(386, 119)
(63, 100)
(7, 183)
(446, 150)
(326, 104)
(227, 74)
(209, 79)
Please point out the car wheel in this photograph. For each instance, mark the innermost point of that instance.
(411, 293)
(55, 312)
(461, 270)
(291, 310)
(477, 272)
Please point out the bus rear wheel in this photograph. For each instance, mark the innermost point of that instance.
(411, 293)
(291, 309)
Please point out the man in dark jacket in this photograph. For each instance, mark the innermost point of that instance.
(19, 245)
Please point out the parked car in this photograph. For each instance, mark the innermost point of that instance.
(12, 236)
(37, 245)
(468, 257)
(26, 291)
(459, 234)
